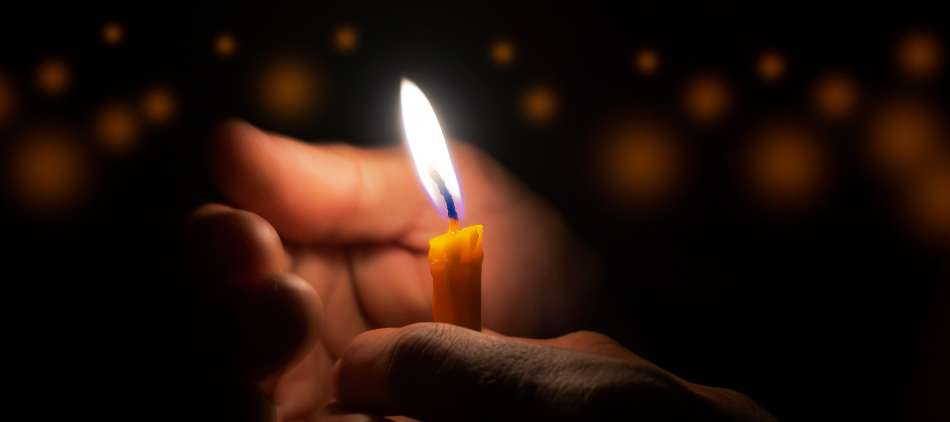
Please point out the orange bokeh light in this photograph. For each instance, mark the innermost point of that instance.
(835, 96)
(225, 45)
(112, 33)
(919, 55)
(47, 172)
(116, 127)
(345, 38)
(646, 61)
(904, 135)
(786, 165)
(771, 66)
(288, 89)
(52, 76)
(539, 104)
(641, 162)
(502, 52)
(8, 99)
(706, 99)
(929, 202)
(158, 105)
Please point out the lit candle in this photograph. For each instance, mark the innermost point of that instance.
(455, 258)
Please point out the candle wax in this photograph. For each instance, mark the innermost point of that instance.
(455, 259)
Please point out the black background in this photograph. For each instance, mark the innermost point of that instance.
(817, 318)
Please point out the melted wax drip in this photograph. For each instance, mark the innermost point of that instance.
(449, 202)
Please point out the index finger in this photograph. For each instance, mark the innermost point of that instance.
(326, 193)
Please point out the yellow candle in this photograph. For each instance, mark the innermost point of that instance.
(455, 258)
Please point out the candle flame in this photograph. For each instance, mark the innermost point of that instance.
(428, 148)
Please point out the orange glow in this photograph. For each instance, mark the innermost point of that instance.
(116, 127)
(112, 34)
(640, 162)
(835, 96)
(929, 202)
(346, 39)
(771, 66)
(225, 45)
(48, 172)
(158, 105)
(288, 89)
(539, 104)
(502, 52)
(706, 99)
(919, 55)
(786, 166)
(904, 135)
(646, 61)
(7, 99)
(52, 76)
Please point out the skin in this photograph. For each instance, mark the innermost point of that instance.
(323, 245)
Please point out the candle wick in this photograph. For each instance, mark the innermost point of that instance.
(449, 202)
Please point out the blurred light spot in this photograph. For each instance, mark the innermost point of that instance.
(225, 45)
(904, 135)
(116, 127)
(502, 52)
(641, 162)
(288, 89)
(8, 99)
(346, 39)
(835, 96)
(112, 33)
(47, 172)
(52, 76)
(786, 165)
(539, 104)
(929, 202)
(919, 55)
(646, 61)
(158, 105)
(706, 99)
(771, 66)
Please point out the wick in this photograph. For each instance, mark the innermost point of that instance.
(449, 202)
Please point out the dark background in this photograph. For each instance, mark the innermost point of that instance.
(818, 317)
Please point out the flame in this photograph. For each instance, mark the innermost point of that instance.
(428, 147)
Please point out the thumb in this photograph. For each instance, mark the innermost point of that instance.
(439, 372)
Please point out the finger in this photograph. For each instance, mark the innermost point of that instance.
(334, 412)
(442, 372)
(272, 326)
(327, 193)
(582, 341)
(233, 247)
(394, 284)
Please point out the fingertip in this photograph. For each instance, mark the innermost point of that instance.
(235, 247)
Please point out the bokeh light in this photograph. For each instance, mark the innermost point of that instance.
(158, 105)
(116, 127)
(641, 162)
(835, 96)
(501, 52)
(539, 104)
(288, 89)
(112, 34)
(345, 38)
(919, 55)
(706, 99)
(770, 66)
(646, 61)
(47, 172)
(786, 165)
(225, 45)
(904, 135)
(8, 99)
(53, 76)
(928, 201)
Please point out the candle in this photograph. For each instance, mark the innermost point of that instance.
(455, 258)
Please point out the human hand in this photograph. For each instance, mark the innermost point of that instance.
(343, 232)
(440, 372)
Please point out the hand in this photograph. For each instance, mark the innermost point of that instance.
(440, 372)
(343, 232)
